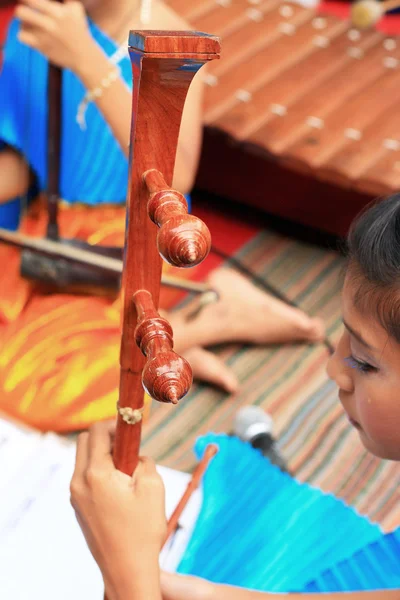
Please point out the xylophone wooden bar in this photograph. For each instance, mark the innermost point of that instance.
(349, 165)
(290, 73)
(306, 89)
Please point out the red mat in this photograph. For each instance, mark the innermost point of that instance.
(5, 16)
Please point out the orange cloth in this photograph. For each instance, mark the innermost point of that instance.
(59, 353)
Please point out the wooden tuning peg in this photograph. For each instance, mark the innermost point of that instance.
(166, 376)
(183, 239)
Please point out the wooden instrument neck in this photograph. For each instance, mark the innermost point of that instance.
(163, 66)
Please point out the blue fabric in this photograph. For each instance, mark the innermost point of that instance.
(377, 566)
(261, 529)
(10, 214)
(93, 168)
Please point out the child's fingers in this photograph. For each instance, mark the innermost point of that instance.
(82, 454)
(45, 7)
(28, 38)
(112, 426)
(100, 447)
(33, 18)
(146, 467)
(78, 484)
(146, 475)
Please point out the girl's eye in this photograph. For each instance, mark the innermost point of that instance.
(360, 365)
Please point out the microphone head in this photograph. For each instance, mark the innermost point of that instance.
(251, 421)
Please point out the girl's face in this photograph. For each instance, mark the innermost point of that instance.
(366, 368)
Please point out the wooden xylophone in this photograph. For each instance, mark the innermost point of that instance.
(305, 89)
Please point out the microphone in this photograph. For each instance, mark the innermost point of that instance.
(252, 424)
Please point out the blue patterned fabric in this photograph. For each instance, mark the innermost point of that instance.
(377, 566)
(10, 214)
(94, 169)
(261, 529)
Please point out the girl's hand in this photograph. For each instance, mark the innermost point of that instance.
(122, 517)
(185, 587)
(59, 31)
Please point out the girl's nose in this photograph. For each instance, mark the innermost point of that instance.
(337, 369)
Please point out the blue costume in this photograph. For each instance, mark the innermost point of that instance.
(261, 529)
(94, 170)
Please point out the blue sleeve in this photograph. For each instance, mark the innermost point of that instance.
(11, 90)
(14, 75)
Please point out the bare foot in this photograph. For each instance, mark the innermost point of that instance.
(245, 314)
(208, 367)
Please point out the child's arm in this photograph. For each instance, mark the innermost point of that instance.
(121, 517)
(178, 587)
(116, 103)
(61, 33)
(225, 592)
(123, 521)
(14, 175)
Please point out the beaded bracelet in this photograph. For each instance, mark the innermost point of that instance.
(93, 94)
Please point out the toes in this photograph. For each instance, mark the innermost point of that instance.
(317, 330)
(208, 367)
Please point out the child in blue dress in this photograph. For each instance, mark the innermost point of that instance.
(123, 518)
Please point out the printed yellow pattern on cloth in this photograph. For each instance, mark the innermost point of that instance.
(59, 353)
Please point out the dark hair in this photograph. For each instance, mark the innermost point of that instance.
(373, 248)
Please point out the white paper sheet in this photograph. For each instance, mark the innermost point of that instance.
(42, 551)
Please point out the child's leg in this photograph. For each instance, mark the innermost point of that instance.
(245, 314)
(14, 175)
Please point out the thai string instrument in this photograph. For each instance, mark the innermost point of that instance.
(305, 89)
(70, 264)
(158, 227)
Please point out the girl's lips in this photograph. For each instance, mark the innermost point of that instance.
(352, 422)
